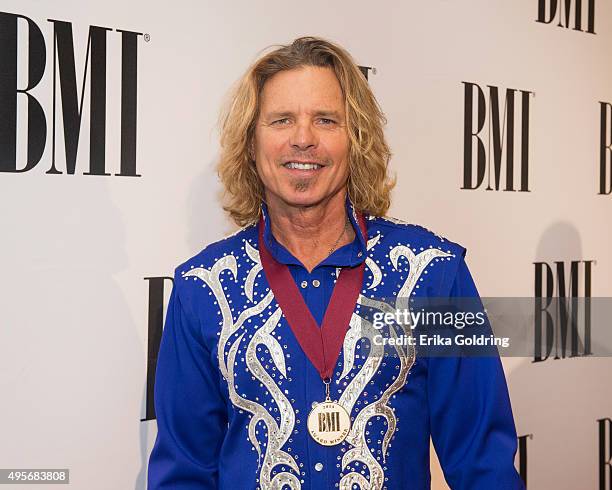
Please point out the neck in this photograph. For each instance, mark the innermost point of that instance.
(309, 232)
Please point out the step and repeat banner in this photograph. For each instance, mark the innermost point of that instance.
(500, 123)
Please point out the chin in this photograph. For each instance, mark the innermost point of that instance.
(303, 202)
(303, 199)
(311, 196)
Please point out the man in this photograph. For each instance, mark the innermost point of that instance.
(265, 377)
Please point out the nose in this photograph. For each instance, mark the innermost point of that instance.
(303, 137)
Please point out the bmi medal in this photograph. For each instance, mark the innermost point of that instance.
(328, 422)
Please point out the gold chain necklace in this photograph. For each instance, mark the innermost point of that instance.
(331, 250)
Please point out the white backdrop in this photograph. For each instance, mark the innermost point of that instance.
(77, 249)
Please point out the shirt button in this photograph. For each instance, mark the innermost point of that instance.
(304, 284)
(316, 283)
(319, 466)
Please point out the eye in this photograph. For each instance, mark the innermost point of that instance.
(326, 121)
(281, 121)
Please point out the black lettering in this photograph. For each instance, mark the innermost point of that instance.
(605, 460)
(470, 134)
(129, 97)
(72, 108)
(155, 329)
(605, 148)
(37, 124)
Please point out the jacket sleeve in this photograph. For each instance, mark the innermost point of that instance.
(472, 425)
(190, 409)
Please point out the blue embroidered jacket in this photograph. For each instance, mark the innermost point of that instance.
(233, 387)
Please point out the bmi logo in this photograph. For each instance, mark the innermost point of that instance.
(365, 70)
(582, 13)
(562, 309)
(522, 456)
(157, 288)
(494, 129)
(605, 454)
(66, 96)
(605, 150)
(329, 421)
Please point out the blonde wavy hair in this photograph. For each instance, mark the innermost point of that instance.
(369, 184)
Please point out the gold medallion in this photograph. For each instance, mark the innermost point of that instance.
(328, 422)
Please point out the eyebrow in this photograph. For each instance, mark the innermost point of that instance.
(323, 113)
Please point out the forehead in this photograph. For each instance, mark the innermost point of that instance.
(307, 88)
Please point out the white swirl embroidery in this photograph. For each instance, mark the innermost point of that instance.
(360, 452)
(277, 436)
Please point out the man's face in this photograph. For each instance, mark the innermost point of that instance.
(301, 140)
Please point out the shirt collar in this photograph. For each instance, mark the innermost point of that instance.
(350, 254)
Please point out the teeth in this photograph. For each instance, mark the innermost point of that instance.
(302, 166)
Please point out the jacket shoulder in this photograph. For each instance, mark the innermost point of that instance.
(231, 244)
(412, 234)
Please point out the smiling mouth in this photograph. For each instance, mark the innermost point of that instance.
(302, 166)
